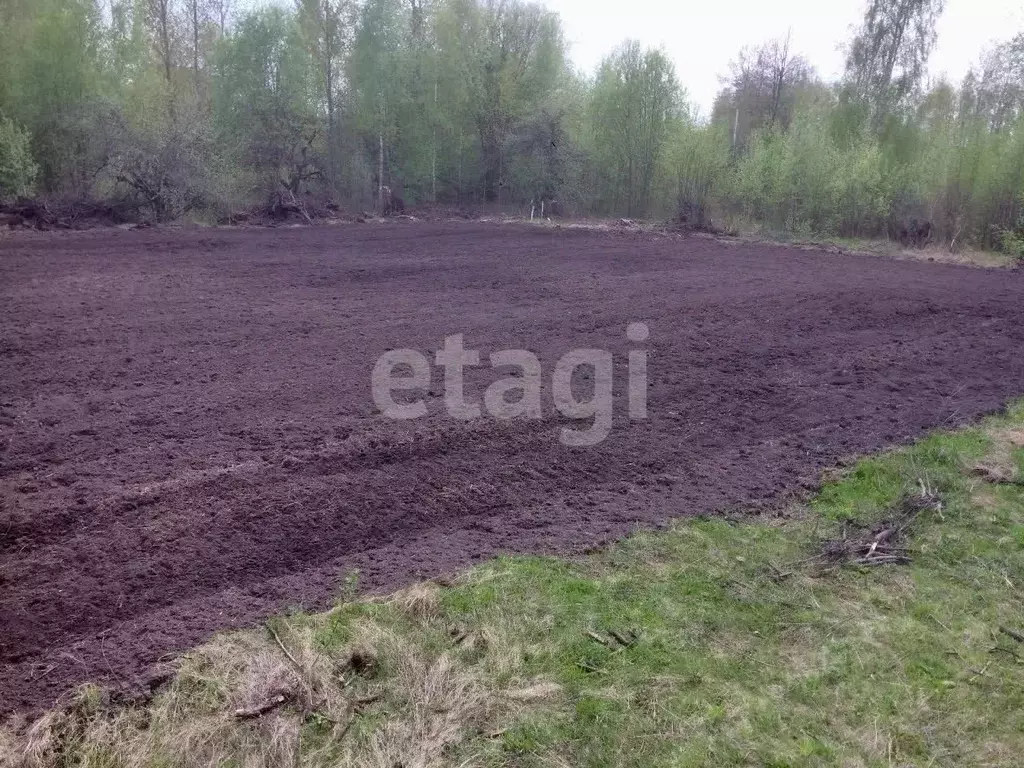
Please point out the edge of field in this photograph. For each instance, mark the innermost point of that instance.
(749, 234)
(878, 624)
(934, 252)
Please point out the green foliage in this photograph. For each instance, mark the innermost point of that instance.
(887, 57)
(17, 168)
(700, 158)
(52, 66)
(519, 62)
(637, 101)
(177, 106)
(805, 181)
(1011, 241)
(766, 84)
(263, 106)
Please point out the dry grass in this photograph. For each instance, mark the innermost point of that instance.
(969, 256)
(933, 253)
(736, 231)
(419, 601)
(419, 700)
(1001, 465)
(936, 252)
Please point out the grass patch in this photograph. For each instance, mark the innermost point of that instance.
(937, 252)
(706, 645)
(747, 229)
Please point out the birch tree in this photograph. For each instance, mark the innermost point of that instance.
(520, 60)
(327, 25)
(887, 57)
(636, 100)
(762, 90)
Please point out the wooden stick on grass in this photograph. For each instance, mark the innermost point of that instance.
(287, 653)
(1015, 635)
(261, 709)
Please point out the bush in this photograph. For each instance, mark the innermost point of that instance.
(18, 170)
(700, 156)
(1011, 241)
(165, 168)
(805, 181)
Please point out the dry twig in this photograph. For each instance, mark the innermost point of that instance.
(1010, 633)
(596, 638)
(261, 709)
(287, 653)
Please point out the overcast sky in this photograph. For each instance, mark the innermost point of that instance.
(701, 37)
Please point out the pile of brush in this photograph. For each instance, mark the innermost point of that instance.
(883, 543)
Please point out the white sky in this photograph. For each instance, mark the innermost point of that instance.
(701, 36)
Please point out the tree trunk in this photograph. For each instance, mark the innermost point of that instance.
(433, 152)
(165, 39)
(330, 30)
(163, 23)
(195, 44)
(330, 123)
(380, 157)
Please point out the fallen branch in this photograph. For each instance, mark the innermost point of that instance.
(996, 476)
(261, 709)
(299, 207)
(779, 573)
(287, 653)
(1007, 651)
(882, 560)
(365, 701)
(625, 643)
(884, 545)
(596, 638)
(808, 560)
(353, 708)
(1010, 633)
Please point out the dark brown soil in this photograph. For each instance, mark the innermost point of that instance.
(188, 442)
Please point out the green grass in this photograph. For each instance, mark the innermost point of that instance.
(735, 664)
(936, 251)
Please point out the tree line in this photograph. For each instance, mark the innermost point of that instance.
(201, 107)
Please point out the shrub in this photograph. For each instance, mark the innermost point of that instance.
(1011, 241)
(165, 167)
(18, 170)
(700, 156)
